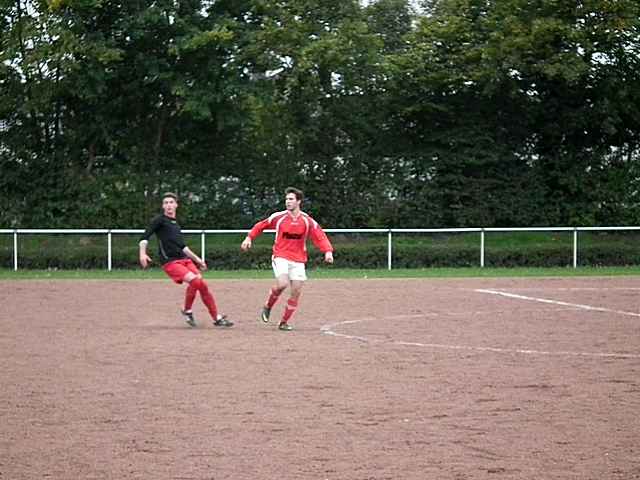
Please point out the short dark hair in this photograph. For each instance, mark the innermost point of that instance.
(296, 191)
(170, 195)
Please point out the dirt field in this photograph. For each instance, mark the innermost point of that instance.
(382, 379)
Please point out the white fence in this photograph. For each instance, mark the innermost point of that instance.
(389, 232)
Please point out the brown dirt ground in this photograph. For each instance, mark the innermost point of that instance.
(382, 379)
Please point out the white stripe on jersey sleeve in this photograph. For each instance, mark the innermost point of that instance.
(305, 219)
(308, 217)
(280, 220)
(274, 215)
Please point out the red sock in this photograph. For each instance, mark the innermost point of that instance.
(190, 296)
(207, 297)
(290, 309)
(274, 294)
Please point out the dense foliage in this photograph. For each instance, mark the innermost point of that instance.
(459, 113)
(352, 251)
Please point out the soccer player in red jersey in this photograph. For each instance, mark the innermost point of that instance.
(293, 227)
(179, 262)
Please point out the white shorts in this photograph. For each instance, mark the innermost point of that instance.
(294, 270)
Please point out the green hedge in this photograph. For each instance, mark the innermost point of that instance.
(229, 257)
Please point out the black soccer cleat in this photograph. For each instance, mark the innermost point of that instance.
(189, 318)
(222, 321)
(285, 327)
(264, 316)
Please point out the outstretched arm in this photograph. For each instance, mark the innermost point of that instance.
(145, 259)
(246, 244)
(328, 257)
(255, 231)
(196, 259)
(321, 241)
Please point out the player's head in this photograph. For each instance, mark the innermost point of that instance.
(293, 198)
(169, 204)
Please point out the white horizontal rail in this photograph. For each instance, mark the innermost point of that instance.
(328, 230)
(64, 231)
(532, 229)
(434, 230)
(591, 229)
(389, 231)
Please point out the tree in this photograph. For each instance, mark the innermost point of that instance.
(500, 99)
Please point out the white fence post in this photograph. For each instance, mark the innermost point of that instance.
(109, 251)
(575, 248)
(202, 252)
(482, 248)
(15, 250)
(389, 251)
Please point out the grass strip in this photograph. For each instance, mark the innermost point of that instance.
(326, 273)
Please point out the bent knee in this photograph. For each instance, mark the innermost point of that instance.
(281, 285)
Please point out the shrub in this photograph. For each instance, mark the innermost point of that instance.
(91, 253)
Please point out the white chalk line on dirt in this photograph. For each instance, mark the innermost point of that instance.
(575, 289)
(329, 329)
(478, 312)
(557, 302)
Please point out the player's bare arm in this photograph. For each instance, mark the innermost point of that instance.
(145, 260)
(196, 259)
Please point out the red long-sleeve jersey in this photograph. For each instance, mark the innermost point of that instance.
(291, 235)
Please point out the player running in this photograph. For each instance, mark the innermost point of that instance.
(293, 227)
(179, 262)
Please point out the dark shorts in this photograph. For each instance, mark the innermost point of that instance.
(177, 269)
